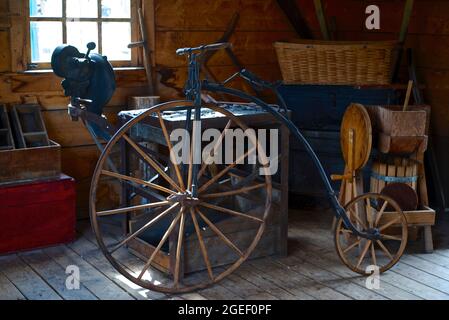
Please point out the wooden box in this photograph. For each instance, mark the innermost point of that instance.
(6, 139)
(30, 164)
(401, 132)
(29, 126)
(37, 214)
(240, 231)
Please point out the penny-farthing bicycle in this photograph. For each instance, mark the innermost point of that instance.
(175, 198)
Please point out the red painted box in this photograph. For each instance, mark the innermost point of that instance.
(37, 214)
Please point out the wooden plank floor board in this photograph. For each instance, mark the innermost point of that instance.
(89, 252)
(101, 286)
(311, 271)
(296, 281)
(256, 278)
(246, 289)
(323, 240)
(129, 261)
(424, 277)
(434, 258)
(342, 285)
(333, 264)
(30, 284)
(55, 276)
(8, 291)
(218, 292)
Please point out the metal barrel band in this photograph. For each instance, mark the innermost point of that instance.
(391, 179)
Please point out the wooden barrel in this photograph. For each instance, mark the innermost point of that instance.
(387, 170)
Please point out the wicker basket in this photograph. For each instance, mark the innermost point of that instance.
(336, 62)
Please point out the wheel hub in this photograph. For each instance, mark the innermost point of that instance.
(374, 232)
(185, 199)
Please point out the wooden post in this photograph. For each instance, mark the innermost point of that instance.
(285, 147)
(321, 19)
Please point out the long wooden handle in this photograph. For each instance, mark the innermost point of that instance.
(146, 53)
(407, 97)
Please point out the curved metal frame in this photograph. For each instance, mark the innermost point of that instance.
(340, 212)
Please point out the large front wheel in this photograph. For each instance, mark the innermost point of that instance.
(190, 223)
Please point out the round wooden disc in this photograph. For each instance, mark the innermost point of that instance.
(356, 118)
(403, 194)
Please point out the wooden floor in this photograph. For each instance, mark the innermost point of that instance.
(311, 271)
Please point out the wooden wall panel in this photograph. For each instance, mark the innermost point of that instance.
(5, 57)
(194, 15)
(181, 23)
(252, 48)
(176, 23)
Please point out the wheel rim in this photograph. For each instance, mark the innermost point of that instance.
(372, 211)
(190, 213)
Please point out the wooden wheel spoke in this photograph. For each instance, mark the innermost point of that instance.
(159, 247)
(384, 249)
(152, 163)
(355, 244)
(215, 150)
(226, 170)
(220, 234)
(387, 237)
(202, 245)
(369, 216)
(170, 149)
(373, 254)
(190, 172)
(145, 227)
(229, 211)
(381, 212)
(389, 224)
(178, 248)
(363, 254)
(134, 208)
(356, 217)
(138, 181)
(234, 192)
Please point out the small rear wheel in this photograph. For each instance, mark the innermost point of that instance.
(375, 214)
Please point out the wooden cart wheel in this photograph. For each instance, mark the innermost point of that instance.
(367, 215)
(356, 137)
(167, 212)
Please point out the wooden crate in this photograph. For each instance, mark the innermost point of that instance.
(6, 139)
(240, 231)
(401, 132)
(30, 164)
(424, 216)
(29, 126)
(37, 214)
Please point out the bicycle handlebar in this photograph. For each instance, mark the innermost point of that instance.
(210, 47)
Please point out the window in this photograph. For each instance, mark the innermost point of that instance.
(108, 23)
